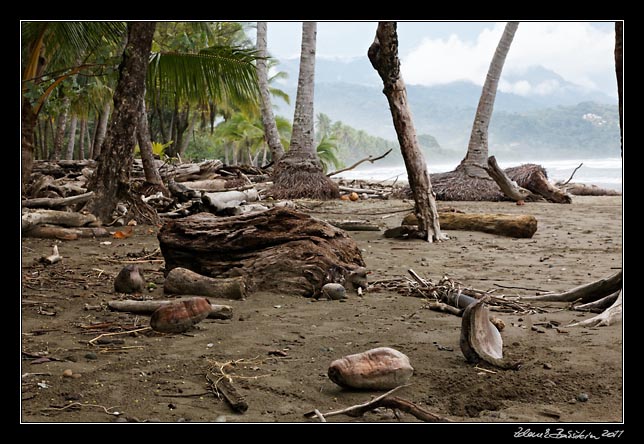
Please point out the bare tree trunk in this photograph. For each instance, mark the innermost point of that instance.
(69, 155)
(111, 179)
(477, 149)
(299, 172)
(42, 134)
(28, 124)
(185, 140)
(145, 145)
(619, 72)
(102, 130)
(268, 119)
(383, 54)
(61, 124)
(81, 140)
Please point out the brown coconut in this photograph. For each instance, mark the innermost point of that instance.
(381, 368)
(180, 316)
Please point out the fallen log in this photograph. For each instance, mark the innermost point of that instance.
(206, 185)
(183, 281)
(280, 250)
(56, 232)
(354, 225)
(38, 217)
(582, 189)
(534, 178)
(229, 200)
(583, 293)
(44, 202)
(509, 188)
(145, 307)
(512, 225)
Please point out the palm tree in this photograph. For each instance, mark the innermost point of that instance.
(477, 149)
(268, 119)
(50, 54)
(327, 151)
(299, 172)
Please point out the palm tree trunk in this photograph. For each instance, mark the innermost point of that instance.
(61, 124)
(383, 54)
(28, 124)
(619, 72)
(69, 155)
(299, 172)
(477, 149)
(84, 133)
(145, 145)
(111, 179)
(102, 130)
(268, 119)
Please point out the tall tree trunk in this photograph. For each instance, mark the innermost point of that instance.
(477, 149)
(187, 135)
(61, 124)
(101, 130)
(28, 124)
(145, 145)
(49, 133)
(383, 54)
(42, 136)
(299, 172)
(268, 118)
(69, 155)
(619, 72)
(111, 179)
(84, 133)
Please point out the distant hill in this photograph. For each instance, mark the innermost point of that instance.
(551, 125)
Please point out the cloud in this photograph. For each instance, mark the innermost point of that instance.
(580, 52)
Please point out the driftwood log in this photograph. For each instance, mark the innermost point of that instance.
(56, 232)
(38, 217)
(44, 202)
(279, 250)
(144, 307)
(512, 225)
(534, 178)
(584, 293)
(183, 281)
(582, 189)
(509, 188)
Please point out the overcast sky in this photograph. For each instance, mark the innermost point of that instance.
(440, 52)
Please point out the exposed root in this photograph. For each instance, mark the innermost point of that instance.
(300, 177)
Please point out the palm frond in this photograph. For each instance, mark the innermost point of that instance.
(327, 153)
(217, 73)
(276, 92)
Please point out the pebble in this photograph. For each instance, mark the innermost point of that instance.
(91, 355)
(76, 375)
(67, 373)
(547, 366)
(550, 383)
(220, 418)
(582, 397)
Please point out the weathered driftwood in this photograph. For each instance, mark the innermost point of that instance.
(370, 158)
(583, 293)
(191, 171)
(599, 305)
(512, 225)
(183, 281)
(207, 185)
(56, 203)
(354, 225)
(611, 315)
(225, 388)
(534, 178)
(582, 189)
(53, 258)
(227, 200)
(216, 311)
(32, 218)
(280, 250)
(56, 232)
(509, 188)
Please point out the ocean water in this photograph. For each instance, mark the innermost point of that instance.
(605, 173)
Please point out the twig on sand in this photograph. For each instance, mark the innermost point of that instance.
(92, 341)
(518, 288)
(73, 404)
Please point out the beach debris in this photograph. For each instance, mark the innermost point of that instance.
(53, 258)
(334, 291)
(129, 280)
(180, 316)
(216, 311)
(183, 281)
(380, 368)
(582, 397)
(480, 339)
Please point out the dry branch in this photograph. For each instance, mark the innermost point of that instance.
(583, 293)
(38, 217)
(509, 188)
(366, 159)
(354, 225)
(572, 175)
(132, 306)
(56, 232)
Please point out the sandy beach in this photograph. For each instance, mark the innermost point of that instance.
(282, 345)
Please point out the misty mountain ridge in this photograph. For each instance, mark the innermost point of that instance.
(569, 120)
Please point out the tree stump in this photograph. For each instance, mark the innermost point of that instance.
(279, 250)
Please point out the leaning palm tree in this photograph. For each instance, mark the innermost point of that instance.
(299, 172)
(477, 149)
